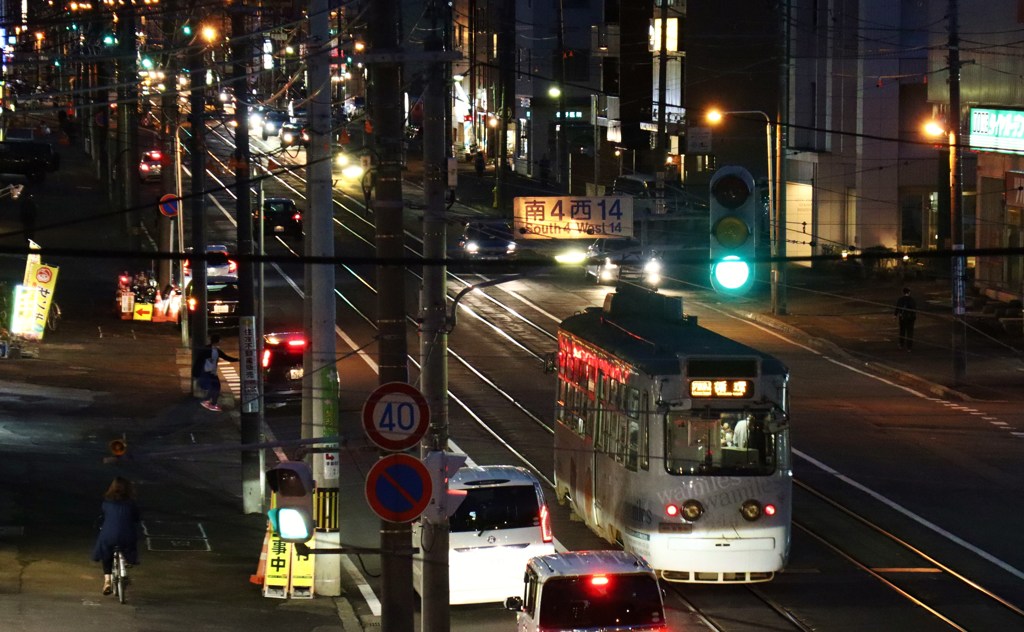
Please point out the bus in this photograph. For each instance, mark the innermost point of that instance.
(672, 441)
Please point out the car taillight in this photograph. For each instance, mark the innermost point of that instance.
(232, 266)
(599, 580)
(192, 303)
(297, 217)
(155, 155)
(296, 343)
(545, 524)
(123, 279)
(266, 358)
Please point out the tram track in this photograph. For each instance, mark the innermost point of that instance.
(922, 594)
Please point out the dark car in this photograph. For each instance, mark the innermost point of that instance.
(609, 260)
(272, 122)
(282, 366)
(294, 135)
(488, 240)
(31, 159)
(280, 216)
(221, 302)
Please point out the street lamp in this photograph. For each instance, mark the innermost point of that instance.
(714, 117)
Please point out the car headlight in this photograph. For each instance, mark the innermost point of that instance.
(287, 137)
(574, 256)
(352, 172)
(472, 247)
(255, 120)
(511, 247)
(341, 160)
(653, 266)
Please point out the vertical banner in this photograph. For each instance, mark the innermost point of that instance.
(278, 571)
(32, 301)
(248, 364)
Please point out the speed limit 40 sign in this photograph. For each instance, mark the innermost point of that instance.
(396, 416)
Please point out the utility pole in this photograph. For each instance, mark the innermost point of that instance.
(506, 89)
(956, 200)
(319, 296)
(168, 128)
(561, 142)
(435, 613)
(662, 151)
(386, 118)
(128, 125)
(778, 232)
(248, 342)
(198, 151)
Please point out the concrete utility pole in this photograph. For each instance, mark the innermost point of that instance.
(386, 118)
(956, 200)
(168, 128)
(778, 267)
(198, 212)
(128, 124)
(319, 297)
(435, 614)
(249, 343)
(561, 140)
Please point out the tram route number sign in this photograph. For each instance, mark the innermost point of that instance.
(573, 217)
(396, 416)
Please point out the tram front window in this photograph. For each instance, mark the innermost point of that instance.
(734, 443)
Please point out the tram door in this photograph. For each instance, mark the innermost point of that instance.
(597, 387)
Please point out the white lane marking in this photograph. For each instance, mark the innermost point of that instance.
(913, 516)
(360, 582)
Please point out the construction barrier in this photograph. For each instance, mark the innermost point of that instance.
(282, 570)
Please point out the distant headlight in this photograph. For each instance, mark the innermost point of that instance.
(341, 160)
(255, 120)
(653, 266)
(352, 172)
(287, 137)
(571, 257)
(511, 247)
(472, 247)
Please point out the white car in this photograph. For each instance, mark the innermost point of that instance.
(151, 165)
(220, 265)
(501, 523)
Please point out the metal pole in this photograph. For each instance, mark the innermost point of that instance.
(779, 271)
(320, 294)
(168, 133)
(198, 149)
(435, 616)
(248, 342)
(772, 214)
(181, 238)
(387, 117)
(956, 232)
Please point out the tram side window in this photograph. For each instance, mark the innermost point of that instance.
(645, 435)
(633, 405)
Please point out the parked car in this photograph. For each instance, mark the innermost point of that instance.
(501, 522)
(151, 165)
(221, 302)
(281, 216)
(282, 366)
(31, 159)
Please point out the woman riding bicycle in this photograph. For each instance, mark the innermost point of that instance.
(119, 528)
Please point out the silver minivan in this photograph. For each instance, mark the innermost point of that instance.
(589, 590)
(501, 523)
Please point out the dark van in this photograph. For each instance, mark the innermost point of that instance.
(28, 158)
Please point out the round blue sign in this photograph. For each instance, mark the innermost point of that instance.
(169, 205)
(398, 488)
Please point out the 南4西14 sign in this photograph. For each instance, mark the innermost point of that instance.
(570, 217)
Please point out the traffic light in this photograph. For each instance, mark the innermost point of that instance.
(292, 517)
(733, 233)
(443, 501)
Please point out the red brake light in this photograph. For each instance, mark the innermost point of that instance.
(124, 280)
(769, 510)
(297, 216)
(155, 155)
(266, 358)
(297, 343)
(545, 524)
(232, 266)
(599, 580)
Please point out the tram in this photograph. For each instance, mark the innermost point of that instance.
(672, 441)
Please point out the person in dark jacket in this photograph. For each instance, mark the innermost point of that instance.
(119, 528)
(906, 314)
(205, 371)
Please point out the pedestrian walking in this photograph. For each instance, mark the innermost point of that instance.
(205, 370)
(118, 523)
(479, 163)
(906, 314)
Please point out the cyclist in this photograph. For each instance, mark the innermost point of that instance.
(118, 528)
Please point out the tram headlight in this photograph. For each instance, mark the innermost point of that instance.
(751, 510)
(692, 510)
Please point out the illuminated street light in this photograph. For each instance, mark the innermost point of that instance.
(209, 34)
(554, 92)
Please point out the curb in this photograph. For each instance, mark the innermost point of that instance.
(827, 346)
(347, 615)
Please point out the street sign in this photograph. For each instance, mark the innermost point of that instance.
(396, 416)
(398, 488)
(169, 205)
(573, 217)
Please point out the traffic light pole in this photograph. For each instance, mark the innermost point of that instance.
(319, 297)
(387, 119)
(434, 334)
(198, 152)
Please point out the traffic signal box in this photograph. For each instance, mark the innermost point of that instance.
(292, 517)
(443, 501)
(733, 221)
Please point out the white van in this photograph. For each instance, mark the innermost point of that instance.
(589, 590)
(501, 523)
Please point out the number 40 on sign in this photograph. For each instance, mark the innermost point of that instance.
(396, 416)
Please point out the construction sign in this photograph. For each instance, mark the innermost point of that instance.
(142, 311)
(283, 572)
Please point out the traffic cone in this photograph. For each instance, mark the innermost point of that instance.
(261, 567)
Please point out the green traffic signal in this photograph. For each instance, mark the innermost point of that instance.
(186, 29)
(109, 40)
(733, 239)
(293, 486)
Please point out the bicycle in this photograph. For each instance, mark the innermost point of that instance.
(119, 574)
